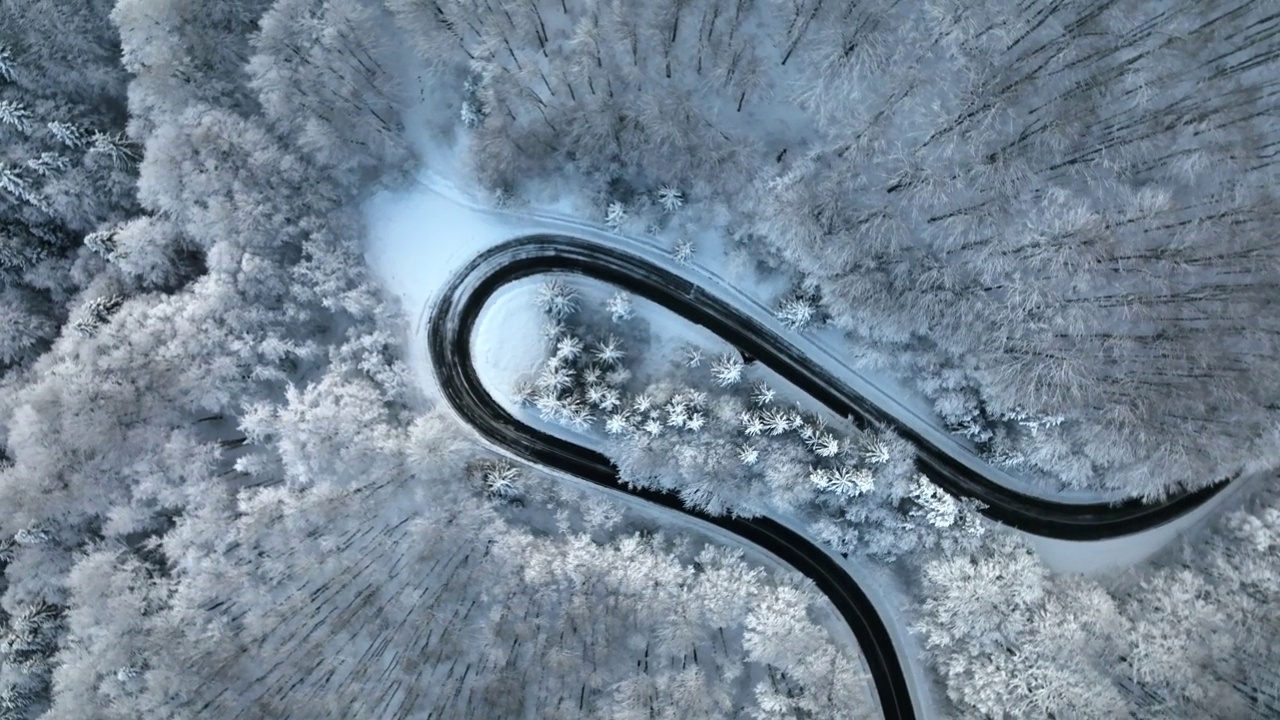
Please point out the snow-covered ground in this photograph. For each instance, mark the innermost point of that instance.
(1101, 556)
(508, 343)
(415, 240)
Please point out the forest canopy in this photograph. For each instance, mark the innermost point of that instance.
(224, 493)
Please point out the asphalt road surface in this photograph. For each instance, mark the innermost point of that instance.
(449, 338)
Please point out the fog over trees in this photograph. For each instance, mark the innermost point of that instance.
(222, 493)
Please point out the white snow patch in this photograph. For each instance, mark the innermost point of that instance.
(507, 343)
(415, 240)
(1102, 556)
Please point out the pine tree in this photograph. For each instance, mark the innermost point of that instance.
(683, 251)
(727, 369)
(796, 313)
(95, 312)
(619, 307)
(8, 69)
(114, 146)
(616, 216)
(499, 479)
(557, 298)
(670, 198)
(608, 351)
(15, 115)
(69, 135)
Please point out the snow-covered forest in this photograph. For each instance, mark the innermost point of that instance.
(224, 491)
(1044, 208)
(222, 494)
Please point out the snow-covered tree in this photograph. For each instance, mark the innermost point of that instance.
(610, 400)
(653, 426)
(762, 394)
(24, 329)
(15, 115)
(556, 378)
(67, 134)
(616, 216)
(776, 420)
(683, 251)
(692, 356)
(95, 312)
(548, 404)
(116, 147)
(618, 423)
(608, 351)
(7, 67)
(620, 307)
(471, 114)
(642, 403)
(796, 313)
(552, 328)
(567, 349)
(322, 73)
(827, 445)
(938, 508)
(670, 198)
(579, 416)
(727, 369)
(20, 188)
(557, 298)
(498, 479)
(849, 480)
(876, 450)
(48, 164)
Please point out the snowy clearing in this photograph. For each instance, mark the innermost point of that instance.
(508, 342)
(415, 240)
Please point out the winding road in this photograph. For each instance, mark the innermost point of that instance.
(449, 339)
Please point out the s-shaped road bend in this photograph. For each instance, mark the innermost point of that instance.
(449, 339)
